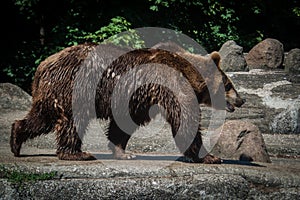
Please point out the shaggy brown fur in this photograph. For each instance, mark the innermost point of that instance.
(54, 82)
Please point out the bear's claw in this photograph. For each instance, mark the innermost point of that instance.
(124, 156)
(76, 157)
(209, 159)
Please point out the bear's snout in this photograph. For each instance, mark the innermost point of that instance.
(239, 102)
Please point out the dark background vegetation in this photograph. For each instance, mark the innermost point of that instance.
(34, 29)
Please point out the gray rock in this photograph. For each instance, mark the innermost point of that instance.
(232, 57)
(241, 140)
(268, 93)
(267, 54)
(292, 61)
(288, 121)
(13, 97)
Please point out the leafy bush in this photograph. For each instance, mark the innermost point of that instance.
(111, 34)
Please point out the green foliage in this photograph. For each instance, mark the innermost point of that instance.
(111, 34)
(117, 25)
(221, 32)
(19, 177)
(296, 11)
(75, 35)
(27, 7)
(158, 3)
(24, 72)
(215, 20)
(118, 32)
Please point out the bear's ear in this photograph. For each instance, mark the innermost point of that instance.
(215, 56)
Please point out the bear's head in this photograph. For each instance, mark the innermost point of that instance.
(219, 91)
(216, 79)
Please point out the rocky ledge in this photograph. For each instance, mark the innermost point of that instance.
(150, 176)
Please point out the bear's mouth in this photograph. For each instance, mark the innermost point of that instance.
(229, 107)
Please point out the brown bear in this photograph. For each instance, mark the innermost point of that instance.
(138, 71)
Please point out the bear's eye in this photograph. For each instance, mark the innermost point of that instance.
(228, 87)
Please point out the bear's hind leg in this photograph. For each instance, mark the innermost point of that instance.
(33, 125)
(118, 141)
(18, 136)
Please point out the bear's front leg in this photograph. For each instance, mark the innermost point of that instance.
(119, 152)
(198, 154)
(118, 142)
(195, 153)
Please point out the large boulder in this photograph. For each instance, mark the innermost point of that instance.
(232, 57)
(14, 104)
(13, 98)
(241, 140)
(267, 54)
(292, 61)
